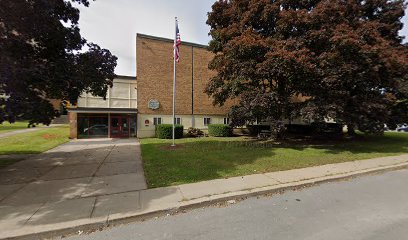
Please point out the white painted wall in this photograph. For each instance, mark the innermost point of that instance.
(123, 94)
(148, 130)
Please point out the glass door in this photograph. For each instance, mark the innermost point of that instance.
(119, 127)
(125, 127)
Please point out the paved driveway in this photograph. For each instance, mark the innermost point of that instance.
(81, 171)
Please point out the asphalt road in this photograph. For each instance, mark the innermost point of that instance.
(368, 207)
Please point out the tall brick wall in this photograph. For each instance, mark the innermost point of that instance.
(203, 104)
(154, 58)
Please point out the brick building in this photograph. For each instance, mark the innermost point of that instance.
(135, 105)
(154, 60)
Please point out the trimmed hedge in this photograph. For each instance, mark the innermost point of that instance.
(165, 131)
(315, 128)
(327, 128)
(254, 130)
(219, 130)
(304, 129)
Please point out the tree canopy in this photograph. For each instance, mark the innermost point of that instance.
(309, 59)
(43, 56)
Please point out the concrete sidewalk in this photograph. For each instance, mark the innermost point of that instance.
(86, 213)
(64, 183)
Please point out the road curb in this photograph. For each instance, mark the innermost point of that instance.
(99, 224)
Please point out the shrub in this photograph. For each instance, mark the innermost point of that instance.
(195, 132)
(219, 130)
(165, 131)
(254, 130)
(327, 128)
(304, 129)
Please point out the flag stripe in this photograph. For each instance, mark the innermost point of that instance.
(177, 43)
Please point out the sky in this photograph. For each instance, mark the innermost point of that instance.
(113, 24)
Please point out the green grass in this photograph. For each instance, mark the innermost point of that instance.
(8, 127)
(211, 158)
(34, 142)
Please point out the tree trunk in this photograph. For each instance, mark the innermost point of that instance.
(351, 130)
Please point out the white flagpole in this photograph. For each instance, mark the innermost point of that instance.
(174, 81)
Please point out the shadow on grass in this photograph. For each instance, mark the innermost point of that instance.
(211, 158)
(34, 142)
(6, 126)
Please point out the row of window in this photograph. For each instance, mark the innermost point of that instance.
(177, 120)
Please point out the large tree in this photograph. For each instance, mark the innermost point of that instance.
(43, 56)
(360, 61)
(344, 55)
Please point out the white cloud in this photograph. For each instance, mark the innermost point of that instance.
(113, 24)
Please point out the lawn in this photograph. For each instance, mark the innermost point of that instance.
(210, 158)
(33, 142)
(8, 127)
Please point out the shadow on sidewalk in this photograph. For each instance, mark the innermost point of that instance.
(74, 181)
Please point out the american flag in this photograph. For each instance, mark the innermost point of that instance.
(177, 43)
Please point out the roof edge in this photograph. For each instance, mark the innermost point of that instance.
(126, 77)
(101, 110)
(170, 40)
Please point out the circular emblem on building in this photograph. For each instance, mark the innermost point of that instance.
(153, 104)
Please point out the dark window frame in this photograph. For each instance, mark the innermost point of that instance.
(207, 121)
(177, 120)
(227, 120)
(157, 121)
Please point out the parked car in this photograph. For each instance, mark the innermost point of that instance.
(402, 128)
(97, 129)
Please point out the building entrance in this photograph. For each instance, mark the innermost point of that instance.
(120, 126)
(104, 125)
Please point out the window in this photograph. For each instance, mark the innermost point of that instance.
(177, 120)
(226, 121)
(92, 125)
(157, 120)
(207, 121)
(132, 125)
